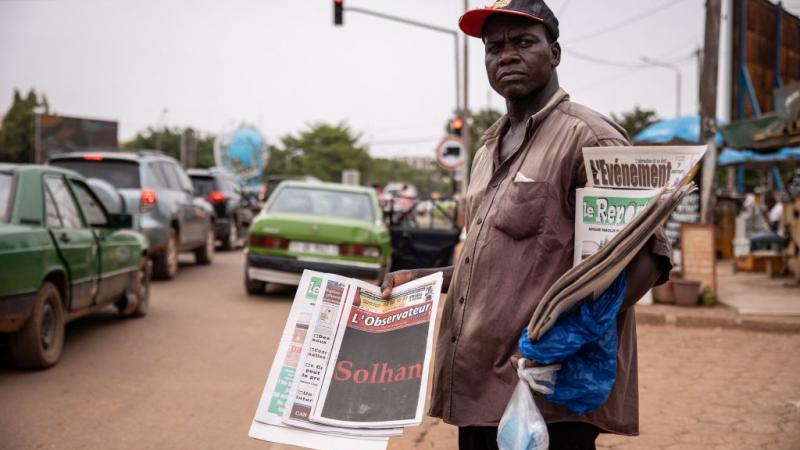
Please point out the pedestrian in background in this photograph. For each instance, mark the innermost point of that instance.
(520, 211)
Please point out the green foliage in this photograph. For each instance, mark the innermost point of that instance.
(636, 120)
(16, 129)
(168, 140)
(323, 151)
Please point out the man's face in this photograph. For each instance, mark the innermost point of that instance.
(519, 58)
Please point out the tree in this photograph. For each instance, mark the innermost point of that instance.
(636, 120)
(323, 151)
(16, 129)
(169, 141)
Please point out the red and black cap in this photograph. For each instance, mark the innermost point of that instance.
(471, 23)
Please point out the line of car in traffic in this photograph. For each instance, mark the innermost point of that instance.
(89, 229)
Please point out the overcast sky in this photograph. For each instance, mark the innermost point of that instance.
(282, 64)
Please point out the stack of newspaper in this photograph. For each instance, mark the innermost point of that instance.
(352, 367)
(631, 191)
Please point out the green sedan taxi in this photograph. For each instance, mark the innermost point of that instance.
(62, 256)
(326, 227)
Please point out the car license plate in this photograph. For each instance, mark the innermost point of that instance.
(313, 247)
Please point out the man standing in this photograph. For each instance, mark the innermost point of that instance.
(520, 214)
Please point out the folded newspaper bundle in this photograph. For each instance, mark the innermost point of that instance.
(352, 367)
(631, 191)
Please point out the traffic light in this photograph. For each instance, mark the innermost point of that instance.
(338, 12)
(457, 125)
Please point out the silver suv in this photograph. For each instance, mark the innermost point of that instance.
(159, 195)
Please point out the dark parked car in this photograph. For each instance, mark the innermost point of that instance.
(63, 255)
(232, 211)
(160, 196)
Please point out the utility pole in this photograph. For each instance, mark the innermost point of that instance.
(708, 107)
(465, 114)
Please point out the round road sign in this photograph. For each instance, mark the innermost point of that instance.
(451, 153)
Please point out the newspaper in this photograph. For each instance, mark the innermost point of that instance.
(640, 167)
(313, 361)
(671, 169)
(378, 372)
(268, 424)
(311, 340)
(601, 213)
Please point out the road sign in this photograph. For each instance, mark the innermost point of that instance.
(451, 153)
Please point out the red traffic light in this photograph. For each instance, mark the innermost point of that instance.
(338, 12)
(457, 125)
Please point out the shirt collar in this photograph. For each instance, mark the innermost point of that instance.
(491, 136)
(499, 127)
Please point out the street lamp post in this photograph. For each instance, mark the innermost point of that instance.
(160, 127)
(677, 80)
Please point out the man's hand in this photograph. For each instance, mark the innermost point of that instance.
(393, 279)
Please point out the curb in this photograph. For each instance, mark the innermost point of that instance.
(674, 316)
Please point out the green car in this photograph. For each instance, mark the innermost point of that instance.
(62, 257)
(326, 227)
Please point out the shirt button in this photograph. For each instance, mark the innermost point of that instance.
(466, 261)
(480, 221)
(453, 339)
(461, 300)
(494, 185)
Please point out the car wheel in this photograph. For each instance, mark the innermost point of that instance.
(39, 343)
(136, 300)
(253, 287)
(165, 265)
(205, 254)
(231, 241)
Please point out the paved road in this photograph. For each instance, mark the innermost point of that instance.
(700, 389)
(189, 375)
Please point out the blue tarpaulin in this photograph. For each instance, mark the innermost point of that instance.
(730, 157)
(686, 128)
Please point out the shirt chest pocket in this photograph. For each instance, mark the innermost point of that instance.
(522, 211)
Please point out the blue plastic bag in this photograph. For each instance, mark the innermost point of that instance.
(584, 342)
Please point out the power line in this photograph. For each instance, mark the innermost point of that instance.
(602, 61)
(626, 22)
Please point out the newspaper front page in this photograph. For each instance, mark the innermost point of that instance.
(378, 372)
(314, 358)
(602, 213)
(640, 167)
(267, 424)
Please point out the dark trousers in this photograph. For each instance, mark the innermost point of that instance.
(563, 436)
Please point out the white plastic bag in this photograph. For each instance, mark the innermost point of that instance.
(522, 426)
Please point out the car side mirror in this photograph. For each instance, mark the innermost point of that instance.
(120, 221)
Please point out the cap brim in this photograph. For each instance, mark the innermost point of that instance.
(471, 22)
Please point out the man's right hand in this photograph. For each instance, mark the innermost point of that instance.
(394, 279)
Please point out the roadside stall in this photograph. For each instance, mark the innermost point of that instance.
(694, 278)
(762, 238)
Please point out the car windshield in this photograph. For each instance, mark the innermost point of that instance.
(6, 182)
(203, 185)
(121, 174)
(323, 202)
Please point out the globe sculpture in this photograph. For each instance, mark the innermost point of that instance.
(242, 153)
